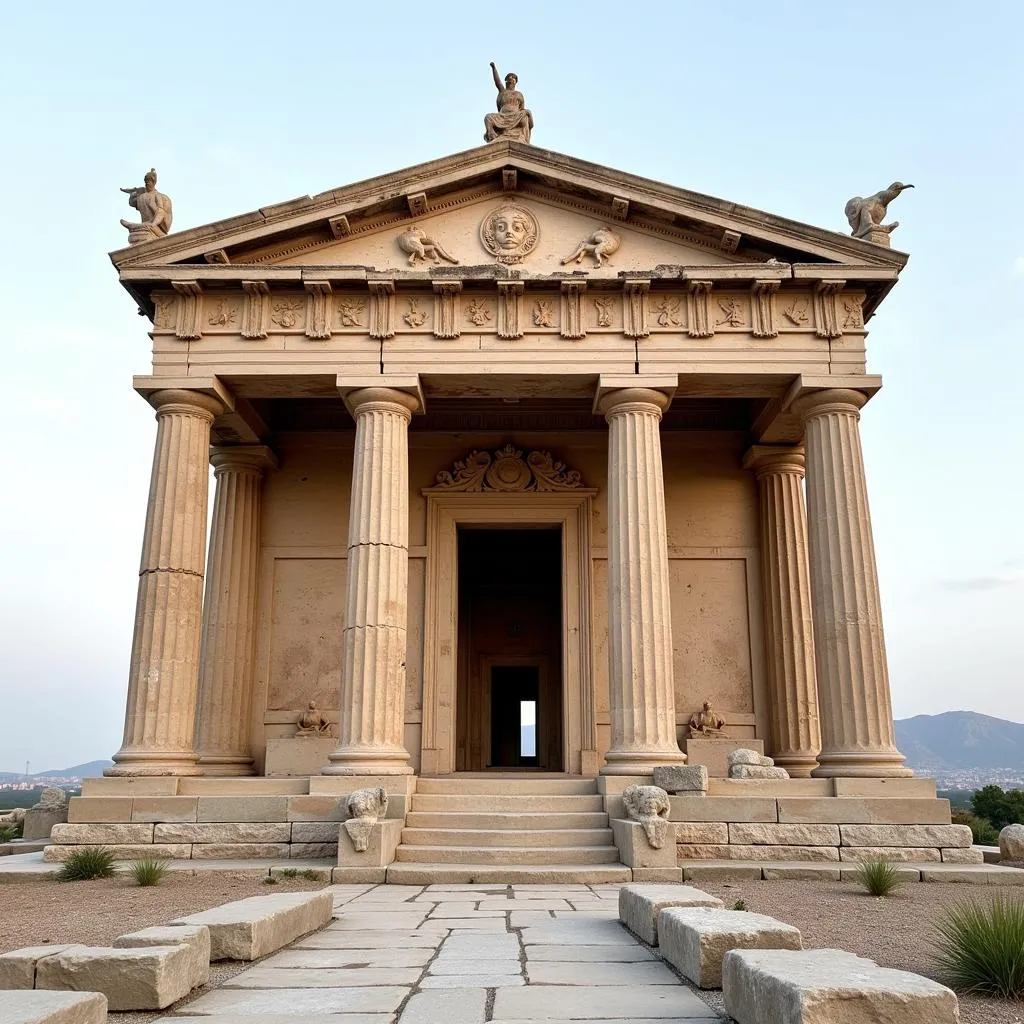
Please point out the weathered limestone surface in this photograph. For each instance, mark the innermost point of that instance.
(853, 677)
(757, 771)
(635, 851)
(55, 854)
(223, 832)
(952, 836)
(53, 1008)
(961, 856)
(382, 839)
(164, 808)
(159, 731)
(251, 928)
(99, 834)
(702, 832)
(18, 967)
(641, 688)
(248, 808)
(695, 939)
(195, 937)
(785, 580)
(904, 854)
(85, 809)
(862, 811)
(640, 906)
(784, 835)
(371, 730)
(1011, 843)
(758, 852)
(823, 986)
(681, 778)
(240, 851)
(711, 808)
(229, 611)
(147, 978)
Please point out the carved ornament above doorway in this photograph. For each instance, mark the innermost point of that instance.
(507, 470)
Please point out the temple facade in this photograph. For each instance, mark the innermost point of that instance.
(518, 461)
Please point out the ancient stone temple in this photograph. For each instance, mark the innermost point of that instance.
(523, 466)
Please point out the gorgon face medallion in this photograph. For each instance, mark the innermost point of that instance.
(509, 233)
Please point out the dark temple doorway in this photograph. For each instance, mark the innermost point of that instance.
(509, 713)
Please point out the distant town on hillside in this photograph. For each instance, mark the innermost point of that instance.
(959, 749)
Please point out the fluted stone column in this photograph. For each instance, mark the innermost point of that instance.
(643, 716)
(789, 639)
(853, 680)
(159, 729)
(372, 720)
(229, 611)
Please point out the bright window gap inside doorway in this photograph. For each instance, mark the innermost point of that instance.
(527, 728)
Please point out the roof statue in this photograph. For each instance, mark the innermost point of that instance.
(866, 215)
(154, 208)
(513, 121)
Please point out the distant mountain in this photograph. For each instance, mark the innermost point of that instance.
(960, 741)
(89, 770)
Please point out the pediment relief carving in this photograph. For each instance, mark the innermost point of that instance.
(508, 470)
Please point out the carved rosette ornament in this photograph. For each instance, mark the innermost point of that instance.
(506, 470)
(509, 233)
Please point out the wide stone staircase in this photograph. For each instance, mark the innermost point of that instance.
(506, 828)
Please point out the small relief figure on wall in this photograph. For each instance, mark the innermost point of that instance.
(154, 208)
(312, 722)
(603, 306)
(477, 313)
(419, 246)
(599, 246)
(415, 317)
(706, 722)
(513, 120)
(732, 314)
(542, 314)
(350, 312)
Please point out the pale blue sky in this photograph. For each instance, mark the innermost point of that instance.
(787, 107)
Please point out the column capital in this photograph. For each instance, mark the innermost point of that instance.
(256, 457)
(196, 403)
(820, 403)
(389, 399)
(641, 400)
(773, 459)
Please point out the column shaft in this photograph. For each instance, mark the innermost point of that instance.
(372, 721)
(642, 697)
(853, 680)
(229, 612)
(159, 726)
(789, 640)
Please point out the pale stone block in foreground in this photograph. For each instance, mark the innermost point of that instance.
(716, 832)
(961, 856)
(53, 1008)
(823, 986)
(681, 778)
(149, 978)
(164, 808)
(195, 937)
(950, 836)
(635, 849)
(54, 854)
(640, 905)
(695, 939)
(899, 854)
(86, 809)
(724, 808)
(251, 928)
(101, 834)
(382, 841)
(785, 835)
(18, 967)
(223, 832)
(240, 851)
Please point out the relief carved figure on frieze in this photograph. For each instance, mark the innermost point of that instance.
(154, 209)
(418, 245)
(543, 315)
(223, 315)
(666, 312)
(599, 246)
(415, 317)
(796, 313)
(512, 121)
(478, 313)
(286, 313)
(853, 313)
(603, 309)
(350, 312)
(732, 313)
(507, 470)
(509, 233)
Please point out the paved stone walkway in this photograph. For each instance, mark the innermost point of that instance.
(460, 954)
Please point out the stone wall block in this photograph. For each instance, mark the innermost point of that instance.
(242, 808)
(641, 905)
(54, 1008)
(863, 811)
(58, 854)
(784, 835)
(195, 937)
(223, 832)
(92, 809)
(318, 809)
(18, 967)
(703, 851)
(313, 851)
(315, 831)
(702, 832)
(959, 855)
(102, 834)
(164, 808)
(239, 851)
(711, 808)
(899, 854)
(953, 836)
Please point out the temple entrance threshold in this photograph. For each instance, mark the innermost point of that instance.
(509, 712)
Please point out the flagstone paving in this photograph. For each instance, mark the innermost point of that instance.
(459, 954)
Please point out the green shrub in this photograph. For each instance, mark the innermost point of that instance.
(270, 880)
(878, 877)
(8, 832)
(288, 873)
(149, 871)
(310, 875)
(740, 905)
(88, 862)
(980, 948)
(981, 828)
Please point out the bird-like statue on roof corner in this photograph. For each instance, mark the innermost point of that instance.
(866, 214)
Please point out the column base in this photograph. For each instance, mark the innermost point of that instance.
(226, 764)
(799, 766)
(153, 762)
(639, 762)
(369, 761)
(860, 764)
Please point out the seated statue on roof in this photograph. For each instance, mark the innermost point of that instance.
(513, 120)
(153, 206)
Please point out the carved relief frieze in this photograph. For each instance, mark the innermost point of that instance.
(446, 309)
(853, 312)
(255, 309)
(190, 310)
(286, 313)
(732, 313)
(603, 310)
(796, 312)
(509, 233)
(164, 313)
(507, 470)
(224, 314)
(414, 317)
(762, 309)
(667, 312)
(634, 309)
(319, 310)
(420, 247)
(826, 315)
(478, 312)
(350, 311)
(698, 313)
(382, 309)
(599, 245)
(543, 313)
(509, 293)
(572, 325)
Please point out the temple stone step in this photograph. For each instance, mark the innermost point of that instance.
(511, 855)
(411, 873)
(504, 802)
(511, 786)
(514, 820)
(508, 837)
